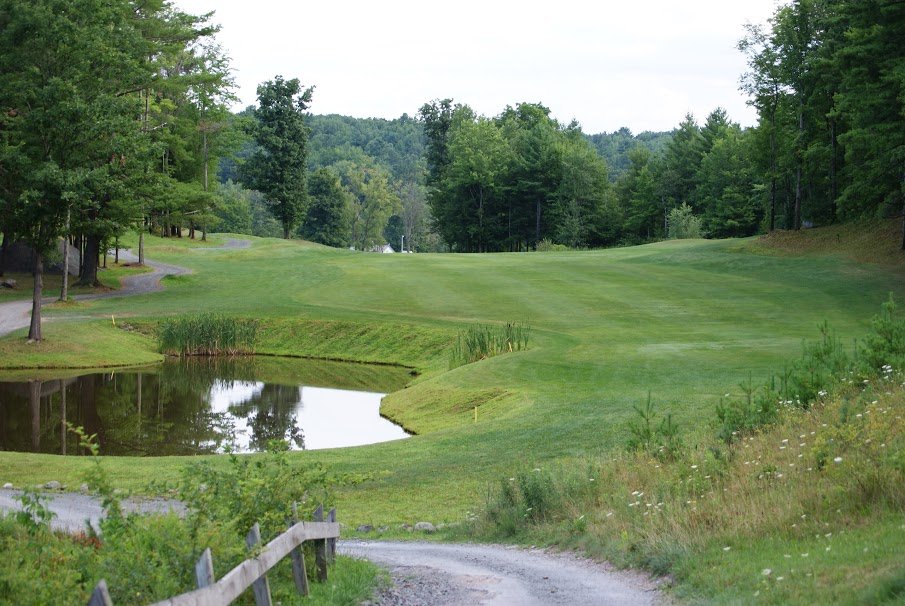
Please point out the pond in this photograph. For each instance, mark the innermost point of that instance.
(203, 406)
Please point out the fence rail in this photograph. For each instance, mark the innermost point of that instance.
(253, 571)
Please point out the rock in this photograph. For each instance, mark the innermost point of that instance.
(383, 529)
(8, 486)
(53, 485)
(425, 527)
(8, 283)
(364, 528)
(84, 489)
(405, 527)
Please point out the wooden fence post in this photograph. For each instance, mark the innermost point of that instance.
(204, 570)
(261, 587)
(331, 543)
(320, 548)
(100, 596)
(298, 559)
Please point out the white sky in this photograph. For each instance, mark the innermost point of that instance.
(637, 63)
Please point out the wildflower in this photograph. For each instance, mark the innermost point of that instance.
(766, 572)
(804, 555)
(837, 460)
(694, 466)
(726, 548)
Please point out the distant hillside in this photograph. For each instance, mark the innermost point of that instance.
(397, 145)
(615, 146)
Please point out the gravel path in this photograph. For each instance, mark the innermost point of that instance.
(72, 510)
(464, 574)
(437, 574)
(17, 314)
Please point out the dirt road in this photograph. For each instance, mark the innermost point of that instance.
(464, 574)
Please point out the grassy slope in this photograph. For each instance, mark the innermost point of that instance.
(683, 320)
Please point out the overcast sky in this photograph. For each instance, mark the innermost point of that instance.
(643, 64)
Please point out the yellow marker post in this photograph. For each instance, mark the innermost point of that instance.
(114, 320)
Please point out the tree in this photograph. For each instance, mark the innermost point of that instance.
(478, 155)
(581, 211)
(69, 138)
(763, 85)
(373, 202)
(328, 220)
(278, 167)
(871, 96)
(681, 160)
(727, 187)
(636, 192)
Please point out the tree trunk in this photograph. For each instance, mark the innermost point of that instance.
(141, 245)
(833, 186)
(88, 276)
(796, 219)
(64, 288)
(537, 223)
(3, 248)
(903, 226)
(285, 230)
(773, 170)
(34, 330)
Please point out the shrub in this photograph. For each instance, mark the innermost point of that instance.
(660, 440)
(681, 224)
(884, 345)
(548, 245)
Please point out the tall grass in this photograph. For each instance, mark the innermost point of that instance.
(759, 485)
(207, 335)
(482, 341)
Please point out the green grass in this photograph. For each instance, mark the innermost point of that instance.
(81, 343)
(685, 320)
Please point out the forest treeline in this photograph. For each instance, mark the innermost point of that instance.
(823, 75)
(114, 117)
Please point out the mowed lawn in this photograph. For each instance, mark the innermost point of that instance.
(686, 321)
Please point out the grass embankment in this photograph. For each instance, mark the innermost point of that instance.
(876, 241)
(682, 320)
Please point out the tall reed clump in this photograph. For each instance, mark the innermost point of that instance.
(481, 341)
(207, 335)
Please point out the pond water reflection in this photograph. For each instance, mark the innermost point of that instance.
(202, 406)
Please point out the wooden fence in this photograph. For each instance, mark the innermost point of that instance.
(253, 571)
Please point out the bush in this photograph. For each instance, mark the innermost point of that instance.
(682, 224)
(884, 346)
(548, 245)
